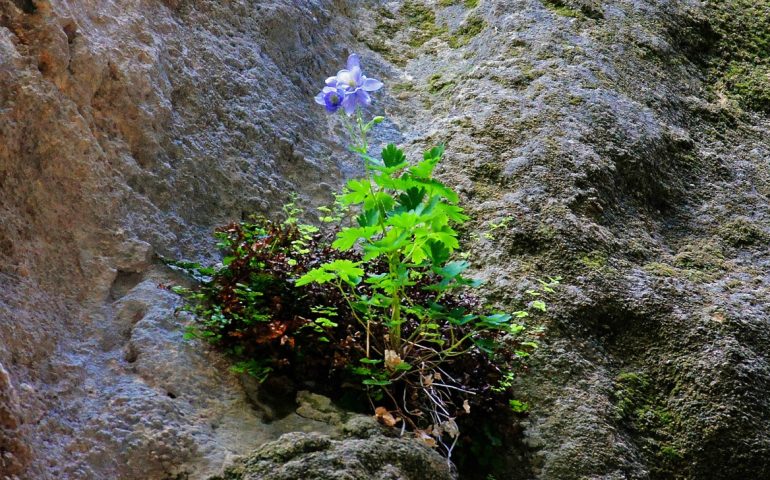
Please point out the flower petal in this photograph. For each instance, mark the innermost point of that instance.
(349, 103)
(345, 78)
(358, 76)
(319, 99)
(363, 98)
(371, 85)
(331, 82)
(353, 61)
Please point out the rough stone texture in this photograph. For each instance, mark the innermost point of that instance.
(315, 456)
(13, 451)
(594, 129)
(352, 447)
(130, 128)
(127, 129)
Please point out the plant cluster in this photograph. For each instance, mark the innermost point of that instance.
(378, 304)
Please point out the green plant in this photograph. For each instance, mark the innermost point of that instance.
(378, 303)
(403, 293)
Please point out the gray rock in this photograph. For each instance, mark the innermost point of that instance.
(129, 129)
(316, 456)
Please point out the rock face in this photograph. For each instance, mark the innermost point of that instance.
(598, 141)
(354, 447)
(612, 143)
(312, 455)
(129, 129)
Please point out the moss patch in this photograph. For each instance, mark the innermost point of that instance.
(575, 8)
(413, 24)
(702, 255)
(595, 260)
(437, 84)
(467, 3)
(472, 27)
(741, 67)
(637, 407)
(742, 233)
(423, 22)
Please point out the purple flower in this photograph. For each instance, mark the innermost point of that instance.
(354, 84)
(331, 97)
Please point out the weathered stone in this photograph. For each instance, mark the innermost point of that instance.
(613, 136)
(316, 456)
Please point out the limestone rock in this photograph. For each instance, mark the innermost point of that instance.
(315, 456)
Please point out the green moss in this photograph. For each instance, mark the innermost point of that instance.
(662, 269)
(487, 171)
(413, 24)
(638, 406)
(467, 31)
(527, 75)
(670, 452)
(402, 87)
(702, 255)
(575, 8)
(742, 233)
(629, 392)
(436, 84)
(422, 21)
(575, 101)
(669, 271)
(563, 11)
(467, 3)
(741, 62)
(545, 233)
(595, 260)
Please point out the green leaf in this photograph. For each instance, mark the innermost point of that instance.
(369, 218)
(406, 220)
(496, 320)
(379, 201)
(434, 186)
(393, 240)
(347, 270)
(347, 237)
(361, 371)
(438, 252)
(411, 198)
(452, 212)
(486, 345)
(436, 152)
(403, 366)
(374, 382)
(425, 168)
(418, 254)
(398, 184)
(370, 361)
(325, 322)
(515, 328)
(358, 190)
(392, 156)
(447, 237)
(453, 269)
(317, 275)
(539, 305)
(518, 406)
